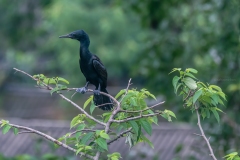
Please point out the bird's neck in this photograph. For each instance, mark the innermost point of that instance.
(84, 51)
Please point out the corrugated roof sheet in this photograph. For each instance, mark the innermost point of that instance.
(167, 139)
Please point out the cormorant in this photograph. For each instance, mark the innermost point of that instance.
(93, 70)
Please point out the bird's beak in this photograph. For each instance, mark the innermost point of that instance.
(66, 36)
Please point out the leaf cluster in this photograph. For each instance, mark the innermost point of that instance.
(88, 140)
(198, 94)
(232, 156)
(5, 126)
(42, 80)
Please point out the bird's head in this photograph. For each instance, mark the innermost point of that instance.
(79, 35)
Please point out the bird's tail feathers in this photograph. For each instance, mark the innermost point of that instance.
(104, 102)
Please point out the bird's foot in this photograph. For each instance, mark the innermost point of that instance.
(96, 92)
(82, 90)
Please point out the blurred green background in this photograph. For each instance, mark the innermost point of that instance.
(141, 39)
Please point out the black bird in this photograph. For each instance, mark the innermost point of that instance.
(93, 70)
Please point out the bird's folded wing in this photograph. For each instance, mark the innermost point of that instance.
(100, 69)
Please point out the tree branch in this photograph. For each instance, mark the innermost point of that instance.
(86, 130)
(137, 117)
(30, 130)
(119, 136)
(129, 83)
(204, 136)
(155, 105)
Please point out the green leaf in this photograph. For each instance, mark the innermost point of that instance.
(6, 128)
(120, 93)
(216, 88)
(179, 85)
(63, 80)
(49, 81)
(79, 150)
(215, 113)
(15, 131)
(192, 70)
(155, 119)
(147, 126)
(222, 95)
(175, 69)
(74, 121)
(197, 95)
(219, 109)
(81, 126)
(104, 135)
(114, 156)
(92, 107)
(175, 81)
(134, 125)
(170, 113)
(87, 137)
(139, 133)
(190, 83)
(58, 88)
(203, 113)
(149, 94)
(4, 122)
(166, 116)
(133, 101)
(145, 139)
(231, 155)
(190, 75)
(87, 102)
(102, 143)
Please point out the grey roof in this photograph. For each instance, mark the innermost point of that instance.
(167, 139)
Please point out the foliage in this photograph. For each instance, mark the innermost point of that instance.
(196, 94)
(43, 80)
(232, 156)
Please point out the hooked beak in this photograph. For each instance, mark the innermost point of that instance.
(66, 36)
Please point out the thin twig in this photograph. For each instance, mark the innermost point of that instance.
(49, 138)
(86, 130)
(137, 117)
(203, 135)
(155, 105)
(198, 134)
(119, 136)
(129, 83)
(25, 132)
(103, 104)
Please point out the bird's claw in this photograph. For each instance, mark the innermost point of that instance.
(96, 92)
(82, 90)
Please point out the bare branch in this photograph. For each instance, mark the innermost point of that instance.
(204, 136)
(82, 110)
(87, 130)
(119, 136)
(68, 100)
(198, 134)
(30, 130)
(137, 117)
(155, 105)
(129, 83)
(25, 132)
